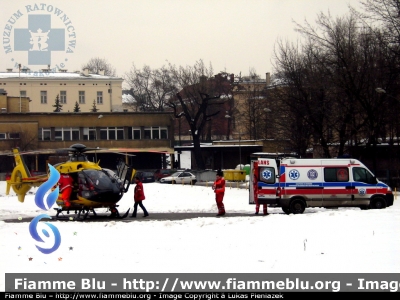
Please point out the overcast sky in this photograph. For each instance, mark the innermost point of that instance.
(233, 35)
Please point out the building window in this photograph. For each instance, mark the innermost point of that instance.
(89, 133)
(3, 136)
(44, 134)
(22, 93)
(63, 97)
(43, 97)
(155, 133)
(164, 132)
(81, 97)
(112, 133)
(13, 135)
(120, 133)
(134, 133)
(99, 97)
(66, 134)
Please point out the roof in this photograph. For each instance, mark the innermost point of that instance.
(210, 146)
(165, 150)
(133, 150)
(55, 75)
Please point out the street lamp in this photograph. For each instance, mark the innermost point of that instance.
(382, 91)
(267, 110)
(227, 116)
(240, 153)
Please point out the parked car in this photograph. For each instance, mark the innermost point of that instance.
(161, 173)
(181, 177)
(146, 176)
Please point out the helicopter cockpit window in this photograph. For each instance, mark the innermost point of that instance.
(112, 175)
(77, 157)
(98, 178)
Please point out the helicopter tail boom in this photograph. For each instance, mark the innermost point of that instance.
(21, 180)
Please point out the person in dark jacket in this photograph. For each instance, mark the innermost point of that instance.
(255, 189)
(219, 190)
(139, 197)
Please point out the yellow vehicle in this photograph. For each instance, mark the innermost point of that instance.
(94, 186)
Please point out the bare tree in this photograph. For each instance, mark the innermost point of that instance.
(198, 99)
(151, 89)
(96, 64)
(357, 62)
(249, 113)
(384, 15)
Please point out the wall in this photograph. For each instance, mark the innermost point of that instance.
(72, 83)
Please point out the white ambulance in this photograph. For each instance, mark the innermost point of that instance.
(295, 184)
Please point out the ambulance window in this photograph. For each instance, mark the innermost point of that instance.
(362, 175)
(336, 174)
(267, 174)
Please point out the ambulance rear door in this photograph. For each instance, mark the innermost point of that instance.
(267, 181)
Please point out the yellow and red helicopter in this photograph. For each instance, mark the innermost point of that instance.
(94, 186)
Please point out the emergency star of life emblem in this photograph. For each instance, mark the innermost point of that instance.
(266, 174)
(294, 174)
(38, 35)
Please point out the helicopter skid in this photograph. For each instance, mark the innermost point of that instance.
(84, 214)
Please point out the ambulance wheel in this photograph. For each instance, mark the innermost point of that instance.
(297, 206)
(377, 203)
(286, 210)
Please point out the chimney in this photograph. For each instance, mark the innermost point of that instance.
(101, 72)
(86, 71)
(232, 77)
(268, 78)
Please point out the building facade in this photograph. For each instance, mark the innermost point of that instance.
(82, 88)
(143, 140)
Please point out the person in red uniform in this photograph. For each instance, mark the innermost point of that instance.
(255, 189)
(139, 197)
(65, 185)
(219, 190)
